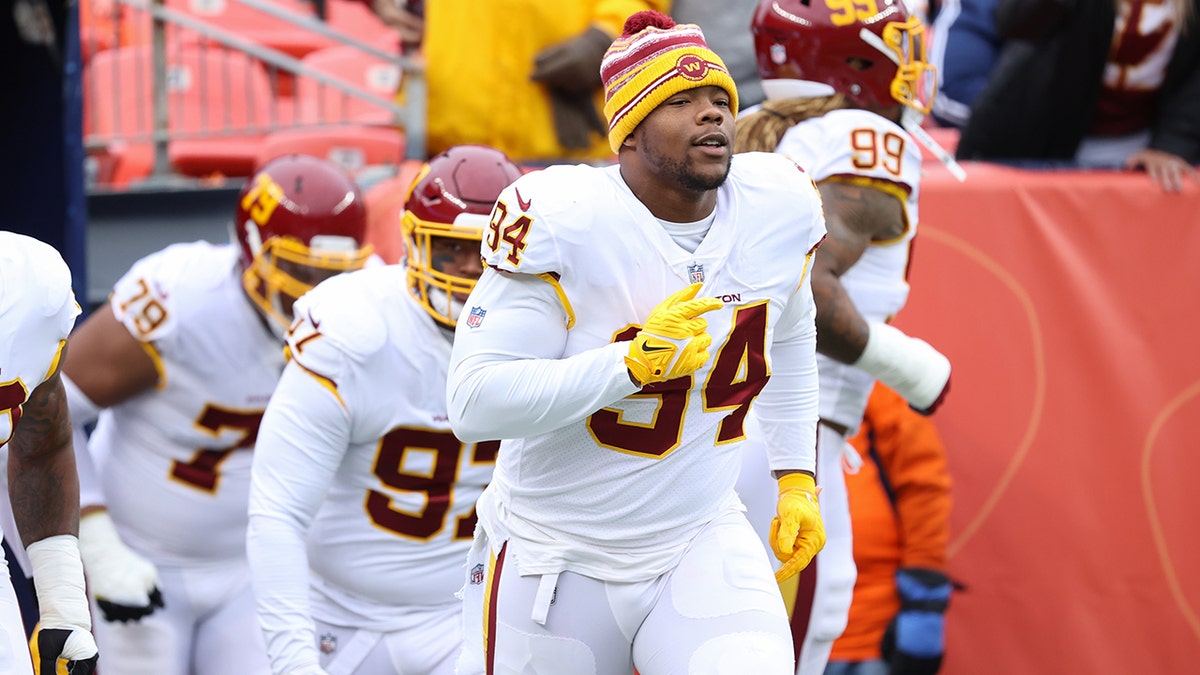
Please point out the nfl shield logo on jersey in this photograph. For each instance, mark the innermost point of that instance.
(476, 317)
(696, 272)
(328, 643)
(477, 575)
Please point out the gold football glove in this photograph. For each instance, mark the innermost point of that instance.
(797, 532)
(673, 341)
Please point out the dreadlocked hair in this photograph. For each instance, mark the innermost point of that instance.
(761, 130)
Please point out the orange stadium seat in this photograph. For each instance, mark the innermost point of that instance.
(224, 96)
(353, 147)
(357, 20)
(241, 19)
(325, 104)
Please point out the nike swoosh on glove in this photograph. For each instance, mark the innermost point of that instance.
(673, 342)
(63, 651)
(797, 532)
(124, 583)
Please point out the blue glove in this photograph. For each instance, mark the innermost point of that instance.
(916, 638)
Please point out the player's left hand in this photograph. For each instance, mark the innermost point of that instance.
(573, 65)
(63, 651)
(797, 531)
(124, 583)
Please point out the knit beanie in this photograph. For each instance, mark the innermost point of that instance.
(653, 60)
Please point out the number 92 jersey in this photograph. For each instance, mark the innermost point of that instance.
(37, 311)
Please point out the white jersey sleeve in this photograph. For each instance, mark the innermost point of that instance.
(503, 384)
(37, 312)
(301, 442)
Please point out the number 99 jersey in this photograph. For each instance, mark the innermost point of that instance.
(865, 149)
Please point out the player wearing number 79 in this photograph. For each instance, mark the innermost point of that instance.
(628, 318)
(176, 370)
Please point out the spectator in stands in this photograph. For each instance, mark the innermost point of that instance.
(900, 509)
(526, 82)
(964, 47)
(724, 24)
(1112, 83)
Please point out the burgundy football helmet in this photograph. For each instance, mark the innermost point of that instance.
(452, 197)
(299, 220)
(872, 51)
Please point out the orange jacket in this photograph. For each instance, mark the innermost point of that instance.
(901, 450)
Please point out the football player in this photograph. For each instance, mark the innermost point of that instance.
(845, 85)
(362, 501)
(37, 311)
(628, 318)
(177, 370)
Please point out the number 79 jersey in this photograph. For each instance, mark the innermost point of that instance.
(174, 461)
(651, 469)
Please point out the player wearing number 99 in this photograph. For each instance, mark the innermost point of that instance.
(362, 500)
(628, 319)
(37, 310)
(845, 84)
(178, 368)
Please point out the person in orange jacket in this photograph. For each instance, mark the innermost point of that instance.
(900, 509)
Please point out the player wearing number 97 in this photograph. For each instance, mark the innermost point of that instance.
(845, 84)
(176, 370)
(628, 319)
(362, 502)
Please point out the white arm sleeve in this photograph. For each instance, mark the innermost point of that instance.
(787, 407)
(303, 437)
(508, 378)
(83, 413)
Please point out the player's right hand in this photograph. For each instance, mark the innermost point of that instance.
(59, 651)
(673, 342)
(797, 531)
(124, 583)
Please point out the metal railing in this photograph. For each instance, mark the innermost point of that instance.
(176, 37)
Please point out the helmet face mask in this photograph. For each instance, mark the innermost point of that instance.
(300, 220)
(872, 51)
(445, 214)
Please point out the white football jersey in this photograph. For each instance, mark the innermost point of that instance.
(619, 494)
(174, 462)
(37, 312)
(399, 515)
(864, 148)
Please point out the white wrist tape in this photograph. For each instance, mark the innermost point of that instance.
(58, 576)
(917, 371)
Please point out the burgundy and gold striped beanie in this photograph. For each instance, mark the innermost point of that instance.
(653, 60)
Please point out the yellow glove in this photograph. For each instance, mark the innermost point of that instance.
(797, 533)
(673, 341)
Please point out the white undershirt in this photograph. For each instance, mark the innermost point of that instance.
(689, 235)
